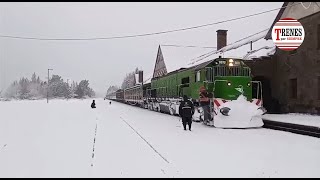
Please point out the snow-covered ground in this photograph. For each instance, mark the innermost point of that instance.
(294, 118)
(56, 140)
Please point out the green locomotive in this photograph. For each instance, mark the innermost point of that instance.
(220, 76)
(236, 102)
(226, 78)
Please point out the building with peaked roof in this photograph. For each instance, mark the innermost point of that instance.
(160, 68)
(291, 79)
(170, 59)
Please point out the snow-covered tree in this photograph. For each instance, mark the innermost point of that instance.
(36, 89)
(12, 91)
(129, 80)
(83, 90)
(34, 78)
(58, 88)
(24, 91)
(112, 89)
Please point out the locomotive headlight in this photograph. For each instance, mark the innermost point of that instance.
(231, 62)
(249, 84)
(229, 83)
(225, 111)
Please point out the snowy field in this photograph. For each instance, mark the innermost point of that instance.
(56, 140)
(303, 119)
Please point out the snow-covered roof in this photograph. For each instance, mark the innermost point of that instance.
(260, 52)
(261, 47)
(177, 58)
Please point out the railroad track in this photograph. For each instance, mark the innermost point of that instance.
(288, 127)
(294, 128)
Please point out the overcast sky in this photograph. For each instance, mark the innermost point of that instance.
(105, 62)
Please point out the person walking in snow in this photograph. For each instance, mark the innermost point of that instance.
(204, 98)
(186, 111)
(93, 104)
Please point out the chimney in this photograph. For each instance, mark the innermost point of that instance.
(221, 38)
(140, 76)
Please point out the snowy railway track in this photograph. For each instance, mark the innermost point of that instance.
(94, 141)
(145, 140)
(288, 127)
(293, 128)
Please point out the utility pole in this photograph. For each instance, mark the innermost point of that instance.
(68, 89)
(48, 86)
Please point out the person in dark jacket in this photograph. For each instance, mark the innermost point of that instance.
(93, 104)
(110, 102)
(186, 110)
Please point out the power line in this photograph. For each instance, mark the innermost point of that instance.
(250, 36)
(188, 46)
(210, 53)
(140, 35)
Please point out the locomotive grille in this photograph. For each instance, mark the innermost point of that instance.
(231, 71)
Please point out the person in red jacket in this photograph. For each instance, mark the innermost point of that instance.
(204, 98)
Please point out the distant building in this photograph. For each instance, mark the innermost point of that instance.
(292, 79)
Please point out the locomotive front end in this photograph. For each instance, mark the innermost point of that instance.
(237, 101)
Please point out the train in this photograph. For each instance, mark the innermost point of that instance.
(228, 79)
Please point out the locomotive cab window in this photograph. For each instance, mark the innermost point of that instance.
(223, 62)
(198, 76)
(185, 82)
(237, 63)
(209, 74)
(232, 62)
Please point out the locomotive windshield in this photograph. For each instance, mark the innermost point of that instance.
(229, 62)
(230, 67)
